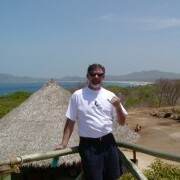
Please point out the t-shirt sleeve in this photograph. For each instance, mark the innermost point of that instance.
(71, 112)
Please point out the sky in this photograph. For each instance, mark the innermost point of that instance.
(58, 38)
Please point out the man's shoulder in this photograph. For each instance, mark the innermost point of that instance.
(104, 90)
(78, 91)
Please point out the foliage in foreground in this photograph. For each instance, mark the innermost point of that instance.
(136, 96)
(158, 170)
(133, 96)
(8, 102)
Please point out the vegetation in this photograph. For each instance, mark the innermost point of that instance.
(163, 92)
(8, 102)
(157, 170)
(136, 96)
(167, 91)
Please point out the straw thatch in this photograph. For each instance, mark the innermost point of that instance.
(37, 125)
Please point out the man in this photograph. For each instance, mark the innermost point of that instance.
(94, 109)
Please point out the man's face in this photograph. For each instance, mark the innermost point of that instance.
(95, 78)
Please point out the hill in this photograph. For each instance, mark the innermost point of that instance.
(135, 76)
(145, 76)
(149, 76)
(11, 78)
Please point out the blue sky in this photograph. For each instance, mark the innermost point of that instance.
(57, 38)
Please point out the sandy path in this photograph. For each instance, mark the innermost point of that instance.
(156, 133)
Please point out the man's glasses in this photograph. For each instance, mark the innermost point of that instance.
(98, 74)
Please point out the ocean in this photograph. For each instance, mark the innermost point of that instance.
(7, 88)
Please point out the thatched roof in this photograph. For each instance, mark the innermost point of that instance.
(37, 125)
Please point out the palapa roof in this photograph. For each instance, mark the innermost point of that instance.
(37, 125)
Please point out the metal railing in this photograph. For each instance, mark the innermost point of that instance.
(10, 165)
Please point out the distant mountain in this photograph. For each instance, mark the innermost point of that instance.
(145, 76)
(149, 76)
(72, 78)
(11, 78)
(135, 76)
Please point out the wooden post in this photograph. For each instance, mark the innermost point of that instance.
(135, 171)
(134, 160)
(134, 155)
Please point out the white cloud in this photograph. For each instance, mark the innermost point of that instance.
(155, 23)
(107, 17)
(145, 23)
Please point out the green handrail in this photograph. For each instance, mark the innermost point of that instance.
(133, 168)
(41, 156)
(153, 152)
(55, 154)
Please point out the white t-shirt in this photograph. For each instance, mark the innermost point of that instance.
(92, 111)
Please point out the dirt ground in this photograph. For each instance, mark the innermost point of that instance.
(157, 133)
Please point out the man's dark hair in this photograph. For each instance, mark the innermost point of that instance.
(93, 66)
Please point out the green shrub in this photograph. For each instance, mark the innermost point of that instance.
(158, 170)
(127, 176)
(136, 96)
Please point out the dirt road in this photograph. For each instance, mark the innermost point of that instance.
(157, 133)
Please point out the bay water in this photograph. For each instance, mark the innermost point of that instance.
(7, 88)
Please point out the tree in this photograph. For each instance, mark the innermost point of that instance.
(167, 91)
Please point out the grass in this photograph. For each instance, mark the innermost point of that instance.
(158, 170)
(9, 102)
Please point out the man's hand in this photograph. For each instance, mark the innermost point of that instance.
(115, 101)
(59, 147)
(68, 129)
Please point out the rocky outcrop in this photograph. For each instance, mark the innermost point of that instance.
(171, 113)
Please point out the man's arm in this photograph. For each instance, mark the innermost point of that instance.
(116, 102)
(121, 117)
(68, 129)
